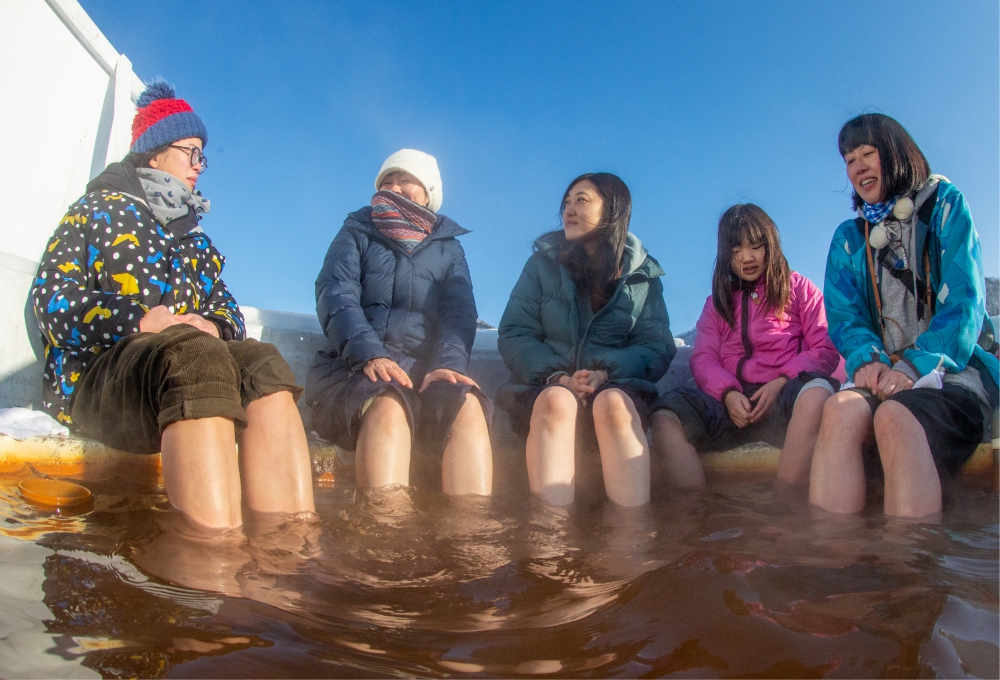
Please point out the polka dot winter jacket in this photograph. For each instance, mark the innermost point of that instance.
(108, 262)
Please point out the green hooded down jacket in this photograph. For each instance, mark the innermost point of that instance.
(629, 337)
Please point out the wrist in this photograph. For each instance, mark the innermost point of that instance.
(556, 377)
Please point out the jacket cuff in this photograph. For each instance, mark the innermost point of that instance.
(722, 397)
(225, 328)
(907, 369)
(554, 378)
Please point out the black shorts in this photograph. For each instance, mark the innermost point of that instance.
(952, 418)
(337, 416)
(128, 394)
(524, 403)
(706, 420)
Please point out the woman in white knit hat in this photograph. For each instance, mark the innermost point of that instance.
(395, 300)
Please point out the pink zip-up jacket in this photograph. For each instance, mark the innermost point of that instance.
(762, 347)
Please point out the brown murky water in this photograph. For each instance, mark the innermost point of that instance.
(731, 582)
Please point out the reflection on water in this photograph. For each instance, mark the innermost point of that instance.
(736, 581)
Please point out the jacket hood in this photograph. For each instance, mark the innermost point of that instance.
(443, 228)
(635, 259)
(120, 177)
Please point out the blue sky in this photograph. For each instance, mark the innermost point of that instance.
(695, 105)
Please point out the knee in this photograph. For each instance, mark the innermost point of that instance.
(554, 404)
(846, 409)
(893, 421)
(812, 402)
(665, 425)
(386, 411)
(613, 408)
(472, 408)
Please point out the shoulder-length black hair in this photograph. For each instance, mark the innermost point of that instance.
(750, 222)
(596, 273)
(904, 167)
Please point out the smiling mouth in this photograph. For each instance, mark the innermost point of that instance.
(867, 182)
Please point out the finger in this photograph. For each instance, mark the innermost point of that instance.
(586, 388)
(402, 378)
(756, 395)
(465, 379)
(397, 373)
(370, 372)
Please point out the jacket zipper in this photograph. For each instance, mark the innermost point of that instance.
(586, 332)
(744, 335)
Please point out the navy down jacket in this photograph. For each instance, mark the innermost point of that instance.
(373, 299)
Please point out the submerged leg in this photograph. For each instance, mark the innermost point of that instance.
(201, 472)
(912, 485)
(551, 446)
(383, 455)
(274, 457)
(837, 474)
(624, 449)
(467, 464)
(800, 439)
(680, 459)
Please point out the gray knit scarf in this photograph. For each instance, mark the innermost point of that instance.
(168, 197)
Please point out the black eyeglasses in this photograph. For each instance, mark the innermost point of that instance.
(196, 156)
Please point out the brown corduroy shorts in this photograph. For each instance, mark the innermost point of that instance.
(130, 393)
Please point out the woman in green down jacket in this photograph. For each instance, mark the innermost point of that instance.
(586, 336)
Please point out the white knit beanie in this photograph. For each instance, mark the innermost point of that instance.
(421, 165)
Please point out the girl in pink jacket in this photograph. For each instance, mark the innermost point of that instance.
(762, 359)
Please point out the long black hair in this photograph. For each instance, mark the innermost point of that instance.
(750, 222)
(904, 167)
(596, 273)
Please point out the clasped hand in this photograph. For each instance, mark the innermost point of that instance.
(385, 369)
(740, 410)
(584, 383)
(160, 317)
(881, 381)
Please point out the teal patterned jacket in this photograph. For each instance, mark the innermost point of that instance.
(956, 271)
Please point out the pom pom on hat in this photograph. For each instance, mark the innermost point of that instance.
(158, 89)
(421, 165)
(161, 119)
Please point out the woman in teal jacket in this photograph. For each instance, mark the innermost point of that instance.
(904, 298)
(586, 333)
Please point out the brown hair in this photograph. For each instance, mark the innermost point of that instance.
(750, 222)
(904, 167)
(597, 273)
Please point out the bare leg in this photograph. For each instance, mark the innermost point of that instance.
(274, 457)
(383, 455)
(551, 446)
(912, 485)
(624, 449)
(467, 465)
(800, 439)
(201, 472)
(837, 475)
(680, 459)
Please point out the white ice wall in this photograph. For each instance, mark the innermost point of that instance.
(67, 111)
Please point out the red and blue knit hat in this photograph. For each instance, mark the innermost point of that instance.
(161, 119)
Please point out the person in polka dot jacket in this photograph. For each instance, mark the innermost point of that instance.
(145, 345)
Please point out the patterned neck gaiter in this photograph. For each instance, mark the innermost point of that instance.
(877, 212)
(401, 220)
(168, 197)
